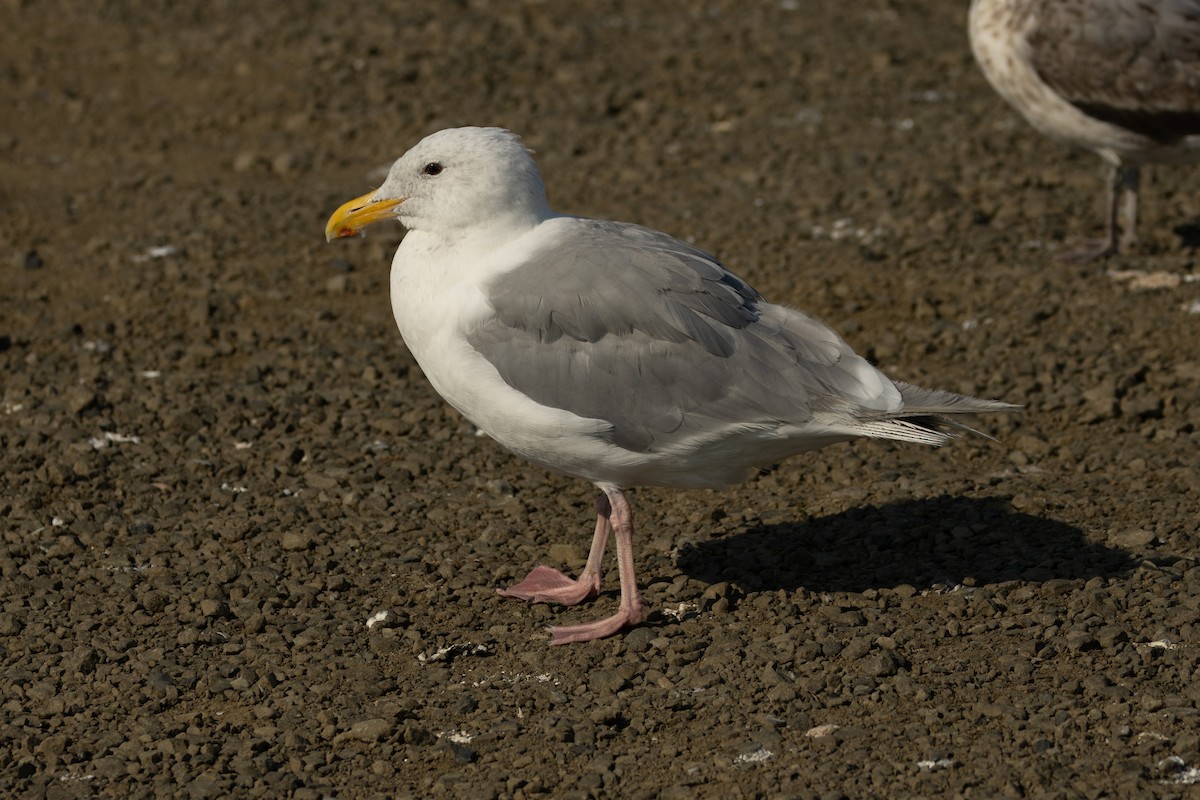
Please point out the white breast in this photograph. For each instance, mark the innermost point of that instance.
(435, 308)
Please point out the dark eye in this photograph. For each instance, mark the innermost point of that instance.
(432, 168)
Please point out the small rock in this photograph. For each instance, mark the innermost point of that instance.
(213, 608)
(295, 541)
(413, 733)
(607, 681)
(500, 487)
(10, 625)
(368, 730)
(719, 598)
(1111, 636)
(1142, 403)
(109, 768)
(1081, 641)
(820, 731)
(245, 161)
(878, 664)
(1100, 402)
(78, 398)
(204, 788)
(563, 553)
(85, 660)
(781, 694)
(284, 164)
(158, 681)
(1132, 539)
(605, 715)
(857, 648)
(462, 754)
(465, 705)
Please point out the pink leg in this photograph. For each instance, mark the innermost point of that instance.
(630, 610)
(546, 585)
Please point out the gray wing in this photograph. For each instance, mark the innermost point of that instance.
(1133, 63)
(628, 325)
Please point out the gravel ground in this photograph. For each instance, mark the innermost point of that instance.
(248, 552)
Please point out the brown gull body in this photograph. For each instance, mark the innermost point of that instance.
(1118, 77)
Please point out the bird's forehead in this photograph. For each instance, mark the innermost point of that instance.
(410, 164)
(425, 152)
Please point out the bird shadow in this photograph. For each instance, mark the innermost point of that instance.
(921, 543)
(1189, 235)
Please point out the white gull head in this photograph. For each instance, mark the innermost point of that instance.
(452, 181)
(464, 177)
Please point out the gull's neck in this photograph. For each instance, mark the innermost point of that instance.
(495, 231)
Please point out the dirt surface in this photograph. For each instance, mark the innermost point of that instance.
(248, 552)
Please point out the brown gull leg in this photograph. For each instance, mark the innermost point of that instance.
(1122, 202)
(630, 610)
(546, 585)
(1127, 180)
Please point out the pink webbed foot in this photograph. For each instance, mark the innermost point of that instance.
(546, 585)
(568, 634)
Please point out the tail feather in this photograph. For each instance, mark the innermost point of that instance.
(918, 401)
(921, 420)
(903, 430)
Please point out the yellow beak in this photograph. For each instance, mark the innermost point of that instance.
(352, 217)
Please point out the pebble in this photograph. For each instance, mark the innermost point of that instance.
(368, 730)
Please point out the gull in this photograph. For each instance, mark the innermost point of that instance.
(1118, 77)
(611, 352)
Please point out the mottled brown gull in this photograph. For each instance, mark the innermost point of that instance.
(1118, 77)
(609, 351)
